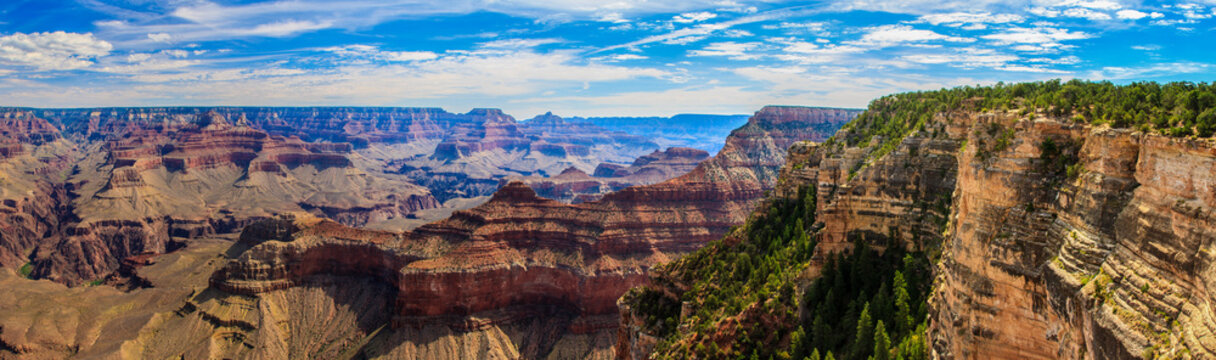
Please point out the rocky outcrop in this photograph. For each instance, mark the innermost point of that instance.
(490, 129)
(22, 127)
(554, 129)
(479, 155)
(453, 155)
(207, 176)
(520, 251)
(1058, 239)
(1105, 262)
(32, 200)
(1048, 228)
(575, 186)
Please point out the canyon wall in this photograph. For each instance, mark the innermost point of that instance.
(505, 260)
(156, 186)
(1057, 239)
(453, 155)
(32, 154)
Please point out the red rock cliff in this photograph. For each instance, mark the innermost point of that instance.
(522, 250)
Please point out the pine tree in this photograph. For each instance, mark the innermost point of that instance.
(814, 355)
(865, 334)
(797, 341)
(903, 305)
(882, 342)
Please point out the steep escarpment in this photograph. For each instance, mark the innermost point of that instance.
(32, 156)
(1056, 233)
(133, 195)
(454, 155)
(520, 257)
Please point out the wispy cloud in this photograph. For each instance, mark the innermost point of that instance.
(702, 31)
(582, 56)
(52, 50)
(889, 35)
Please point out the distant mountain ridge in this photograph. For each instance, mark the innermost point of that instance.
(700, 131)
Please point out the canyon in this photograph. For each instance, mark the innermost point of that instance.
(90, 187)
(970, 223)
(1049, 237)
(536, 276)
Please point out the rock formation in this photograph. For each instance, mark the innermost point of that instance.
(497, 263)
(453, 155)
(683, 130)
(136, 193)
(477, 156)
(575, 186)
(1058, 238)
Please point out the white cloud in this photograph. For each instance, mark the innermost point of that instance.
(52, 50)
(813, 53)
(730, 49)
(1084, 13)
(798, 28)
(138, 57)
(175, 53)
(1155, 70)
(160, 37)
(286, 28)
(613, 17)
(471, 76)
(704, 30)
(958, 19)
(518, 43)
(1043, 36)
(964, 58)
(148, 66)
(694, 17)
(889, 35)
(199, 20)
(1129, 14)
(1146, 47)
(1092, 4)
(1030, 69)
(624, 57)
(368, 52)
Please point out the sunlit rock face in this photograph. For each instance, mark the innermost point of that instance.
(1102, 258)
(159, 181)
(520, 256)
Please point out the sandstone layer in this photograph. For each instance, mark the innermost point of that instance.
(1058, 239)
(501, 262)
(135, 194)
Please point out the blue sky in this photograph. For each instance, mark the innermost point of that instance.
(579, 57)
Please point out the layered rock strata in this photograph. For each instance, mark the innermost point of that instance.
(209, 176)
(1058, 239)
(575, 186)
(522, 251)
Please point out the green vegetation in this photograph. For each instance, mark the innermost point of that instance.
(26, 270)
(863, 304)
(859, 294)
(1174, 109)
(747, 273)
(759, 294)
(1059, 161)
